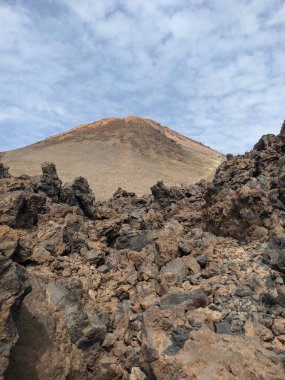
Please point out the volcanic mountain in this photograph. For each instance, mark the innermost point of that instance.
(131, 153)
(183, 283)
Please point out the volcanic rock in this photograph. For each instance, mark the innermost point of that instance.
(4, 171)
(50, 183)
(181, 283)
(14, 285)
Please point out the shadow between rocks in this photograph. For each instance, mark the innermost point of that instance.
(33, 342)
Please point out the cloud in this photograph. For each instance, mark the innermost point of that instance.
(211, 70)
(278, 17)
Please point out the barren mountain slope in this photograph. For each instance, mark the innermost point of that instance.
(130, 152)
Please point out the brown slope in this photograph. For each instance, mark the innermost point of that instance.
(131, 153)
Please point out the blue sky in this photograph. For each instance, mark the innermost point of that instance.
(212, 70)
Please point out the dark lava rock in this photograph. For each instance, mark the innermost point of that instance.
(275, 253)
(4, 171)
(14, 286)
(50, 183)
(166, 195)
(223, 327)
(84, 196)
(178, 337)
(202, 260)
(134, 240)
(189, 300)
(243, 292)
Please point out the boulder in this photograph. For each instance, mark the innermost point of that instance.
(274, 251)
(4, 171)
(172, 274)
(11, 205)
(191, 264)
(19, 208)
(164, 196)
(188, 300)
(84, 196)
(49, 183)
(167, 249)
(9, 239)
(134, 240)
(14, 286)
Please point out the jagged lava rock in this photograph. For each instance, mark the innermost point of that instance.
(183, 283)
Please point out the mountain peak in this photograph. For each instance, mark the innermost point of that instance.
(129, 152)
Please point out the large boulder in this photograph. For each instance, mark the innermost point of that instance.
(181, 349)
(19, 205)
(14, 285)
(11, 205)
(49, 182)
(172, 274)
(46, 325)
(78, 193)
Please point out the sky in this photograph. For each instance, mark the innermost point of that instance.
(211, 70)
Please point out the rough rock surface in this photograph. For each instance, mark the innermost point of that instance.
(14, 285)
(4, 171)
(50, 183)
(186, 283)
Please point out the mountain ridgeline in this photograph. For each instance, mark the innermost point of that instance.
(132, 153)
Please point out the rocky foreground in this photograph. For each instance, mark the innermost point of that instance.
(185, 283)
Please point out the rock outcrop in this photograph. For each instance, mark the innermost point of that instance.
(246, 197)
(185, 283)
(4, 171)
(14, 285)
(49, 182)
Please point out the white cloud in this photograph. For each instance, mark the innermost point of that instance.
(278, 17)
